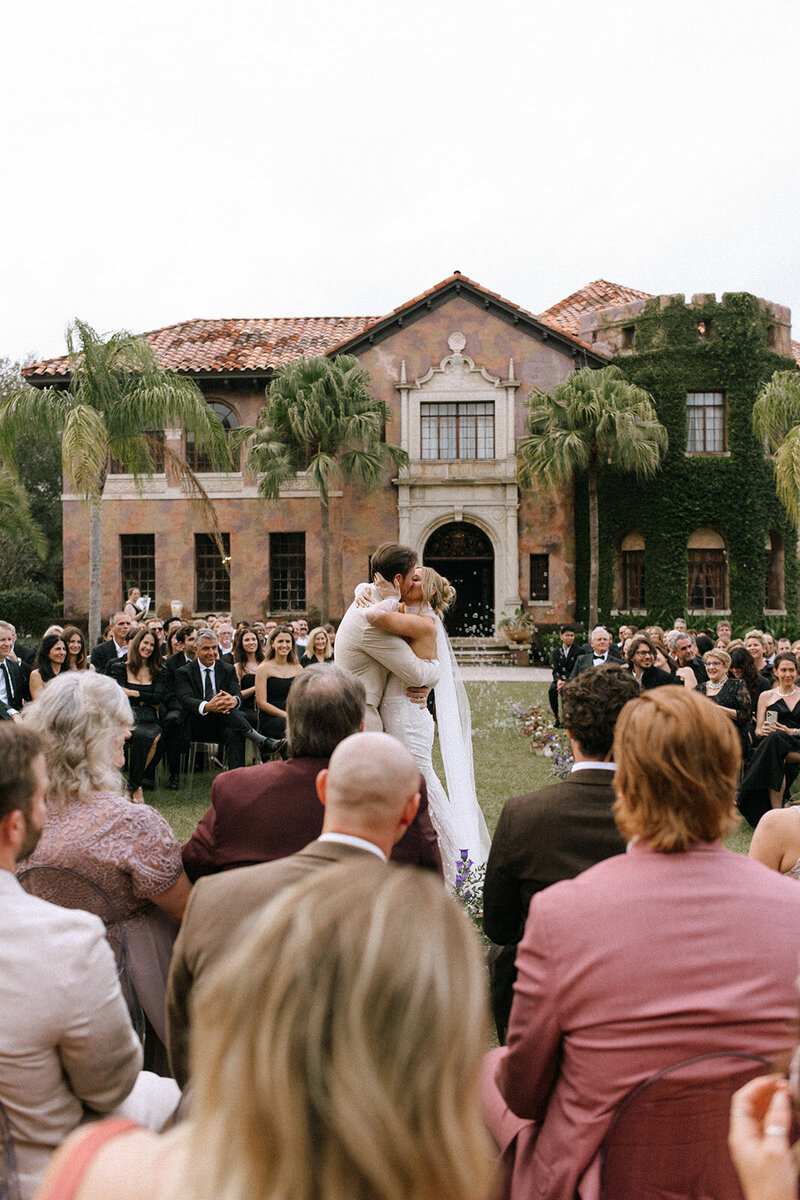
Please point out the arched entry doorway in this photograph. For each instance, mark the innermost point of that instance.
(464, 554)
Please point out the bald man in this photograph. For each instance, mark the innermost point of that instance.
(370, 793)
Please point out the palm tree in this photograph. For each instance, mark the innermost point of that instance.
(15, 515)
(591, 420)
(321, 419)
(776, 421)
(117, 402)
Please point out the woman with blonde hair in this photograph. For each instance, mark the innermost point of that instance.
(318, 648)
(455, 813)
(336, 1055)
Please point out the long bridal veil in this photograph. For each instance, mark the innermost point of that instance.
(455, 742)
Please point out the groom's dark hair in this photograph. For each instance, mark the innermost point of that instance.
(390, 560)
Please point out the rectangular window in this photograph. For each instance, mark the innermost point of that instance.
(211, 574)
(115, 467)
(137, 553)
(457, 430)
(706, 578)
(705, 423)
(632, 579)
(287, 572)
(540, 577)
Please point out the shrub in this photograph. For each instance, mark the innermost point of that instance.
(30, 611)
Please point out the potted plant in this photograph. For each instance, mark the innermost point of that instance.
(518, 627)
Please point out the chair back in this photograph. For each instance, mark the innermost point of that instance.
(9, 1182)
(668, 1138)
(70, 889)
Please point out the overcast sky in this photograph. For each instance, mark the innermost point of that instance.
(172, 160)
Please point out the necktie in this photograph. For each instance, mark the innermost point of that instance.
(7, 677)
(208, 694)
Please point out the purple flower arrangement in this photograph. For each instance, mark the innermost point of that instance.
(468, 888)
(544, 739)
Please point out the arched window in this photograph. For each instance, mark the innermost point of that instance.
(707, 586)
(198, 460)
(632, 573)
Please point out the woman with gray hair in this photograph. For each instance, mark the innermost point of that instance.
(84, 719)
(730, 694)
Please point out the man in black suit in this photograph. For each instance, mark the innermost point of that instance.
(555, 833)
(13, 681)
(564, 657)
(682, 650)
(209, 692)
(602, 652)
(642, 665)
(116, 646)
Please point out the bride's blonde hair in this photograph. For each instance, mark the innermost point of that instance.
(437, 591)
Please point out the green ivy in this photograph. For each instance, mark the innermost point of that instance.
(734, 495)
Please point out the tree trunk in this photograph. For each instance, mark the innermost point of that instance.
(594, 543)
(326, 563)
(95, 566)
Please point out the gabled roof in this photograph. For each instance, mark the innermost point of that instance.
(566, 315)
(460, 285)
(238, 346)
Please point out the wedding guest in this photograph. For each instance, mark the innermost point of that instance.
(318, 648)
(50, 661)
(274, 677)
(140, 677)
(117, 644)
(248, 654)
(76, 648)
(337, 1055)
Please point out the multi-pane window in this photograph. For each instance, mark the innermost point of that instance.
(457, 430)
(137, 552)
(706, 578)
(156, 436)
(705, 423)
(287, 572)
(632, 579)
(197, 459)
(540, 577)
(212, 573)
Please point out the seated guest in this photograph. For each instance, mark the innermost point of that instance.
(172, 715)
(24, 656)
(601, 652)
(776, 841)
(756, 643)
(685, 660)
(67, 1048)
(209, 694)
(724, 633)
(641, 654)
(117, 644)
(76, 648)
(563, 661)
(274, 677)
(50, 661)
(318, 648)
(762, 1126)
(13, 680)
(83, 720)
(156, 627)
(559, 831)
(141, 679)
(224, 632)
(728, 693)
(248, 654)
(774, 765)
(347, 1066)
(272, 810)
(677, 948)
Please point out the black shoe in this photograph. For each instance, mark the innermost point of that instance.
(174, 784)
(266, 745)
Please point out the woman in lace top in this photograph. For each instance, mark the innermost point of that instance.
(129, 850)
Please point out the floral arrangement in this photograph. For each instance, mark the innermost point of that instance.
(544, 739)
(468, 888)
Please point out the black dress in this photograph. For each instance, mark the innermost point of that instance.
(735, 694)
(249, 702)
(768, 767)
(146, 728)
(277, 690)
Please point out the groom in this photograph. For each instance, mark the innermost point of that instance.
(372, 654)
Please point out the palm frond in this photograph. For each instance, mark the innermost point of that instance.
(15, 515)
(84, 449)
(30, 413)
(777, 409)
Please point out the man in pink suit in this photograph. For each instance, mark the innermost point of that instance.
(678, 948)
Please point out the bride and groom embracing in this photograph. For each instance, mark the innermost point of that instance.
(393, 639)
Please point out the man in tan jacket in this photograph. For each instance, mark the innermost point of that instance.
(372, 654)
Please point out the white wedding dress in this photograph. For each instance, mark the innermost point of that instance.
(455, 813)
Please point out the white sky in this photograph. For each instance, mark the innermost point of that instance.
(177, 159)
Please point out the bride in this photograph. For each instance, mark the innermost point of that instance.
(455, 813)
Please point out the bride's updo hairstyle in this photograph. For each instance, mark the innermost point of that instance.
(437, 591)
(338, 1047)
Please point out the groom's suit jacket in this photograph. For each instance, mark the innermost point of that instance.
(373, 655)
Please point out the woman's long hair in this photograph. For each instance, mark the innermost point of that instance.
(135, 660)
(79, 717)
(743, 661)
(338, 1048)
(292, 656)
(43, 664)
(240, 656)
(71, 631)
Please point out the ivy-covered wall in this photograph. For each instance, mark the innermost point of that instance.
(734, 495)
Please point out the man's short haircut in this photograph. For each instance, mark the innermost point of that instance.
(206, 635)
(566, 629)
(18, 748)
(324, 706)
(598, 629)
(592, 702)
(185, 631)
(7, 626)
(116, 615)
(390, 559)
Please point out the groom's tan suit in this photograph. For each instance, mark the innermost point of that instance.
(373, 655)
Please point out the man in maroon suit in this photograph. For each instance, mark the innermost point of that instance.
(258, 814)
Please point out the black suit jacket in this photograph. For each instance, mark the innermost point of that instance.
(189, 684)
(653, 677)
(584, 661)
(104, 654)
(564, 661)
(172, 665)
(19, 690)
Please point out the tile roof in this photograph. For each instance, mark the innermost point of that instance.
(566, 315)
(227, 346)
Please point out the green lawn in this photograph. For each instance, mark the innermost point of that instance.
(504, 766)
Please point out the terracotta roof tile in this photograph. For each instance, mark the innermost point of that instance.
(566, 315)
(256, 344)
